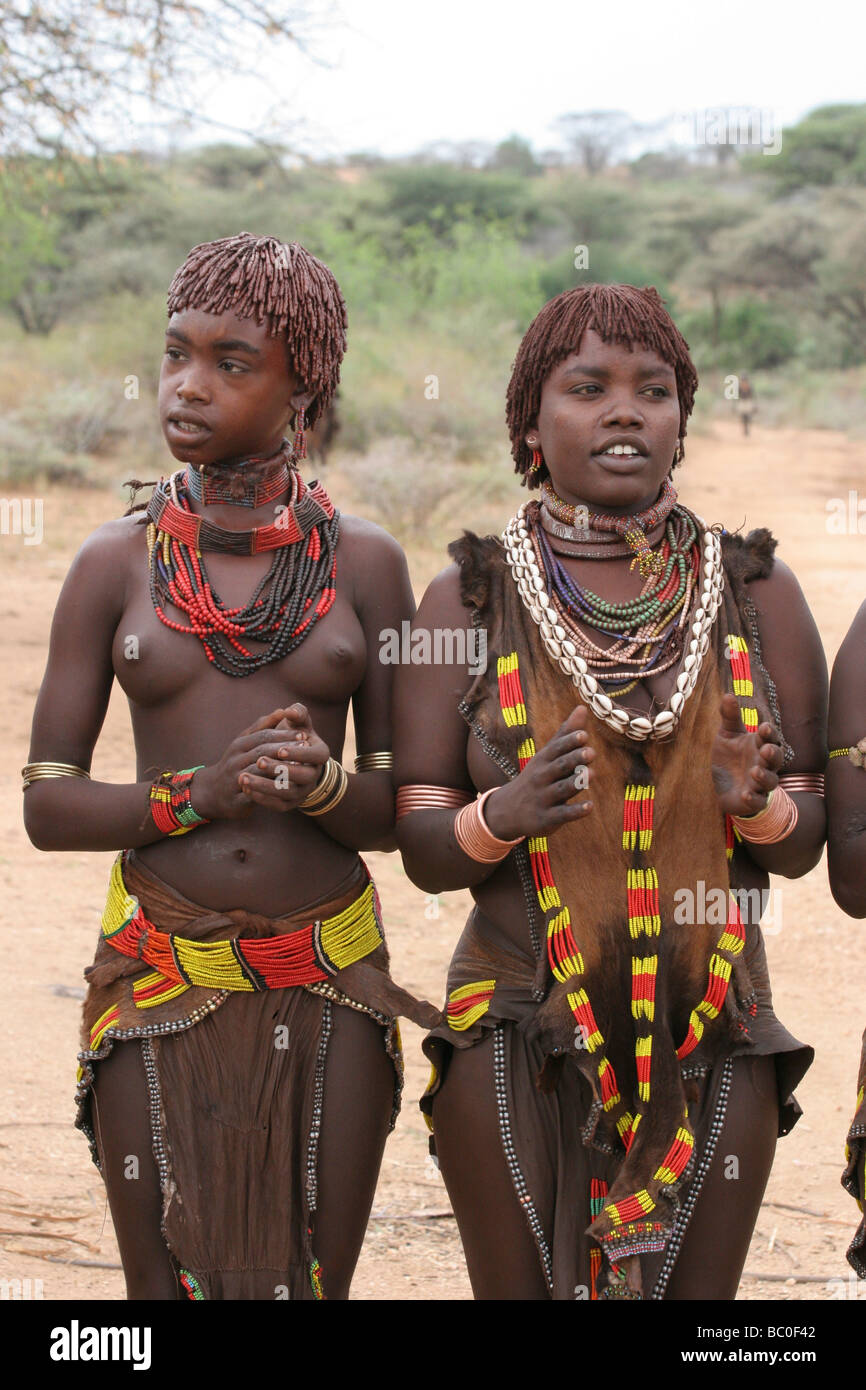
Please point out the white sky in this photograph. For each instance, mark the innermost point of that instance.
(401, 74)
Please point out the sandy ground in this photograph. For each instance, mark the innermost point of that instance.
(55, 1226)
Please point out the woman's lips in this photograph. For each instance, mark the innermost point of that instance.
(622, 463)
(186, 431)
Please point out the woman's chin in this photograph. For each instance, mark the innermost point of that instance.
(612, 488)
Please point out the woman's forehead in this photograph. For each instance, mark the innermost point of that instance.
(594, 352)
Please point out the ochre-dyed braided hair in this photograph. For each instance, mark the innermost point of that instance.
(618, 314)
(261, 278)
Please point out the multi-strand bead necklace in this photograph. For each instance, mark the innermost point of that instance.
(608, 534)
(296, 592)
(650, 631)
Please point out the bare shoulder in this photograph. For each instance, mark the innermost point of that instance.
(105, 560)
(849, 667)
(789, 635)
(368, 543)
(442, 604)
(115, 537)
(854, 639)
(777, 591)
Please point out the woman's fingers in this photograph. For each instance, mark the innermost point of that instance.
(568, 787)
(729, 712)
(283, 775)
(267, 721)
(298, 716)
(576, 720)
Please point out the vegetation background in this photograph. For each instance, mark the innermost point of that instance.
(443, 259)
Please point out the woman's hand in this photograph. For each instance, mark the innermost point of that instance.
(539, 800)
(280, 778)
(744, 764)
(229, 789)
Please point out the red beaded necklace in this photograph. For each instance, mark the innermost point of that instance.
(297, 591)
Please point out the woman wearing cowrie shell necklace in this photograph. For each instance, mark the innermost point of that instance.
(609, 1085)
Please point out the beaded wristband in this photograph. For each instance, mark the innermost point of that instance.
(328, 791)
(40, 772)
(856, 754)
(170, 804)
(776, 822)
(474, 836)
(374, 762)
(418, 797)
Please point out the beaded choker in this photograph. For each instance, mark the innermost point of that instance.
(296, 592)
(253, 483)
(170, 512)
(605, 528)
(657, 620)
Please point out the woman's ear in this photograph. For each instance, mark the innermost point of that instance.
(302, 400)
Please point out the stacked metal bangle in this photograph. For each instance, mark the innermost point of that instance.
(474, 836)
(802, 782)
(418, 797)
(776, 822)
(328, 791)
(374, 762)
(39, 772)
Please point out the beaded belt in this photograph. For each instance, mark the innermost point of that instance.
(306, 956)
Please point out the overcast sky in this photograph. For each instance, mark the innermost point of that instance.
(401, 75)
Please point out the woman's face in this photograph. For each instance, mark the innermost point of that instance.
(602, 396)
(225, 389)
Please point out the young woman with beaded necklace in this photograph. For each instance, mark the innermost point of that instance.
(610, 1081)
(241, 965)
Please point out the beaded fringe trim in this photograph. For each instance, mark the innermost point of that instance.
(517, 1178)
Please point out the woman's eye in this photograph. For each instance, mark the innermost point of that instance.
(173, 353)
(233, 368)
(586, 386)
(660, 390)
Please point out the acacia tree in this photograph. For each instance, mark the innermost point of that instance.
(69, 69)
(594, 138)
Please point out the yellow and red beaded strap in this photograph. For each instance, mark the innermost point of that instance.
(566, 961)
(469, 1003)
(628, 1216)
(644, 925)
(732, 940)
(741, 673)
(744, 689)
(309, 955)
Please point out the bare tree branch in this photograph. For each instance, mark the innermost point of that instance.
(67, 70)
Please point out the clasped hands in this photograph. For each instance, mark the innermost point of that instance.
(275, 763)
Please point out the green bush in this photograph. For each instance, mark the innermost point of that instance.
(751, 335)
